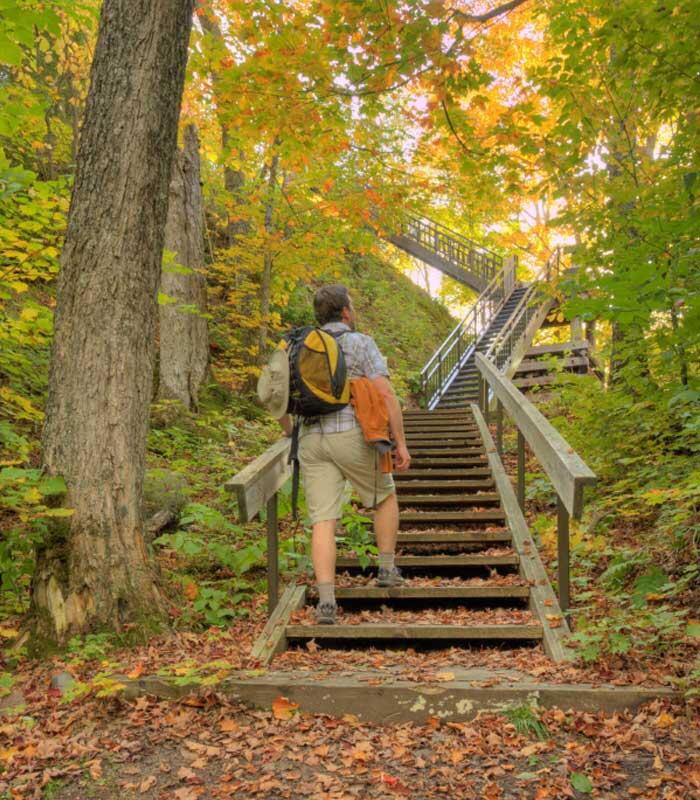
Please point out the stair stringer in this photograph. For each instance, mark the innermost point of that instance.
(543, 601)
(528, 335)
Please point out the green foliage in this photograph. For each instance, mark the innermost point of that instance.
(28, 499)
(581, 783)
(626, 630)
(526, 720)
(6, 683)
(92, 646)
(357, 536)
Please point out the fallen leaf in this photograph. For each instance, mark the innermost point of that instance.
(664, 720)
(228, 725)
(147, 783)
(445, 676)
(283, 709)
(136, 672)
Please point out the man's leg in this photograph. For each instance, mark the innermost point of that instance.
(323, 550)
(323, 487)
(386, 526)
(323, 558)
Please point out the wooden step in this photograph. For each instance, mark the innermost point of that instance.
(447, 437)
(421, 562)
(453, 537)
(548, 349)
(445, 451)
(442, 486)
(441, 416)
(424, 463)
(432, 592)
(402, 632)
(483, 498)
(443, 473)
(429, 430)
(440, 517)
(541, 380)
(533, 365)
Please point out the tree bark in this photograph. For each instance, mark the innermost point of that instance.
(234, 179)
(93, 570)
(184, 341)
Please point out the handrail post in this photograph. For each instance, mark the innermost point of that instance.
(272, 555)
(521, 470)
(563, 556)
(499, 428)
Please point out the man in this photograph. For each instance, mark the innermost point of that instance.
(333, 450)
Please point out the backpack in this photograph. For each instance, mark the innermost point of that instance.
(318, 384)
(318, 376)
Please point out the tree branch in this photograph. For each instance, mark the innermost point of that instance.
(494, 12)
(454, 130)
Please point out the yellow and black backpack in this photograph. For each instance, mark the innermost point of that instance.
(318, 383)
(318, 378)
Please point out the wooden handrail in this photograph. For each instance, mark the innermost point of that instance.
(566, 470)
(256, 487)
(260, 480)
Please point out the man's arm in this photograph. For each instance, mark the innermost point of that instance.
(385, 389)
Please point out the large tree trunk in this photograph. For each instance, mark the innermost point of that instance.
(184, 343)
(93, 570)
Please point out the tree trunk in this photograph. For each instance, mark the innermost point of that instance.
(184, 342)
(92, 571)
(234, 179)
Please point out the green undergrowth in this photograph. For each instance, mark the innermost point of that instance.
(636, 551)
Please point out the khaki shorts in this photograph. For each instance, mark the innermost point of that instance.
(328, 460)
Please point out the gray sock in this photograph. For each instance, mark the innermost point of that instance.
(386, 561)
(326, 593)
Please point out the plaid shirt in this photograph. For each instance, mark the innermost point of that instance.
(363, 360)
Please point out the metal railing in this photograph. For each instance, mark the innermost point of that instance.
(452, 246)
(502, 348)
(453, 353)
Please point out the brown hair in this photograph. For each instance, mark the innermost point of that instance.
(329, 302)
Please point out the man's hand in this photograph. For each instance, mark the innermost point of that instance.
(402, 458)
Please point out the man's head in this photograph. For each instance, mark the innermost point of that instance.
(332, 303)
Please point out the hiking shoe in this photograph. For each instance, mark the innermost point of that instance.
(390, 577)
(326, 613)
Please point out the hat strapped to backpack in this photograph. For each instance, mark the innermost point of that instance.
(273, 384)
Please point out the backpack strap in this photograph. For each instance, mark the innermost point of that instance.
(294, 461)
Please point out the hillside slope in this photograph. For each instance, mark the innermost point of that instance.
(405, 321)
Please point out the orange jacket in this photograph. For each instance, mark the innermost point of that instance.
(373, 417)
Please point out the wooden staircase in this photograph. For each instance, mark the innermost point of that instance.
(466, 581)
(464, 388)
(473, 573)
(543, 363)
